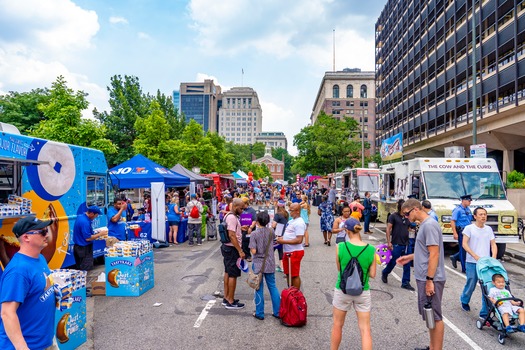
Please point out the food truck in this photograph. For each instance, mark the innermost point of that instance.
(49, 180)
(358, 181)
(442, 181)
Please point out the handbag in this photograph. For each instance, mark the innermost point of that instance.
(254, 279)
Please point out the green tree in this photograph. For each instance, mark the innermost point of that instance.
(260, 171)
(196, 150)
(329, 145)
(176, 121)
(127, 102)
(21, 108)
(153, 138)
(63, 120)
(278, 153)
(222, 156)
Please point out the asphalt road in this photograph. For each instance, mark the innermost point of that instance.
(191, 318)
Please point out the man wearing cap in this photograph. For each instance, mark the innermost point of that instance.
(461, 217)
(84, 236)
(116, 224)
(292, 240)
(194, 224)
(27, 295)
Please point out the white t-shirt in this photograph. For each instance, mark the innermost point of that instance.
(479, 240)
(296, 227)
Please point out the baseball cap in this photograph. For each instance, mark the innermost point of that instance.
(94, 209)
(242, 265)
(193, 195)
(350, 224)
(29, 223)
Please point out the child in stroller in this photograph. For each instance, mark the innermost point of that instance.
(503, 300)
(495, 287)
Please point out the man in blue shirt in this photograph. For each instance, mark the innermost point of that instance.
(84, 236)
(27, 295)
(461, 217)
(116, 225)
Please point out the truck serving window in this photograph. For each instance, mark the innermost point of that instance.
(452, 185)
(9, 180)
(95, 190)
(368, 183)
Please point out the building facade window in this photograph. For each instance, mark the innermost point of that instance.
(349, 91)
(335, 91)
(363, 91)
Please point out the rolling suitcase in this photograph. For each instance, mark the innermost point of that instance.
(293, 308)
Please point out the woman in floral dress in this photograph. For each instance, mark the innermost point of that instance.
(327, 218)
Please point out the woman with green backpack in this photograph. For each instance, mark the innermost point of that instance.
(359, 301)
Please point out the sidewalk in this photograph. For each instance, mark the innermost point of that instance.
(516, 251)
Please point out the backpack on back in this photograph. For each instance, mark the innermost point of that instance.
(352, 281)
(194, 213)
(223, 231)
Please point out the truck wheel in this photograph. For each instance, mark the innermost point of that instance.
(502, 247)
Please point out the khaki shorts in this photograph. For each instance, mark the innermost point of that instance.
(344, 302)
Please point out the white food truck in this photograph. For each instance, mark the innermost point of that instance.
(442, 181)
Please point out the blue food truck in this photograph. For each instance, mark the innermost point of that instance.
(50, 180)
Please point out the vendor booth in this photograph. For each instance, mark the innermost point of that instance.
(179, 169)
(141, 172)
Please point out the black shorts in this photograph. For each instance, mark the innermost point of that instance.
(230, 255)
(173, 223)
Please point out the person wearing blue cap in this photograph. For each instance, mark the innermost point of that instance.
(461, 217)
(27, 295)
(83, 237)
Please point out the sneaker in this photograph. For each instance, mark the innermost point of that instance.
(384, 278)
(454, 261)
(224, 301)
(190, 244)
(407, 287)
(521, 328)
(199, 243)
(465, 307)
(509, 329)
(235, 306)
(427, 348)
(278, 269)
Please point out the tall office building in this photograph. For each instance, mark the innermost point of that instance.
(176, 99)
(200, 102)
(240, 116)
(272, 139)
(349, 93)
(424, 64)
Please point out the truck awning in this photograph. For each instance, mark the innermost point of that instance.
(22, 161)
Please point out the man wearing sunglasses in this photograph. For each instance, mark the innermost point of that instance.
(27, 296)
(429, 267)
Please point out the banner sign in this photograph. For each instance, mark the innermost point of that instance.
(392, 148)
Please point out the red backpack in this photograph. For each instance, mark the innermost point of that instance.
(194, 213)
(293, 308)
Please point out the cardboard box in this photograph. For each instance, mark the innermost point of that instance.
(98, 288)
(70, 324)
(129, 276)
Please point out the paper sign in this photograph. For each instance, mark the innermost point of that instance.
(279, 229)
(246, 219)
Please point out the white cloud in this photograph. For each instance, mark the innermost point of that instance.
(277, 118)
(117, 20)
(143, 36)
(39, 39)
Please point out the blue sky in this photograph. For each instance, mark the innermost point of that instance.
(283, 46)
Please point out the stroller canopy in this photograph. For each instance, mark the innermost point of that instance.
(486, 267)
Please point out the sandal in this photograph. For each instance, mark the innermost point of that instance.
(306, 245)
(257, 317)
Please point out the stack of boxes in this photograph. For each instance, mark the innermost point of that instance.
(129, 268)
(70, 315)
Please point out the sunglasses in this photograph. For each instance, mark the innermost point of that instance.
(407, 214)
(42, 232)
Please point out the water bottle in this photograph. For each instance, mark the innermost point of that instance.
(429, 314)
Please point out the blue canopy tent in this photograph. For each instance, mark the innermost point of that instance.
(140, 172)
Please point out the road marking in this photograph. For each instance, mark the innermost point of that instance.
(204, 313)
(451, 325)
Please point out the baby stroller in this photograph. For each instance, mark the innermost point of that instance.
(211, 228)
(486, 267)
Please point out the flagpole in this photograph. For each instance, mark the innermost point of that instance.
(242, 77)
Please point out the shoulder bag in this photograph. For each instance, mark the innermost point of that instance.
(254, 279)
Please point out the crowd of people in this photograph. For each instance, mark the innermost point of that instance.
(413, 235)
